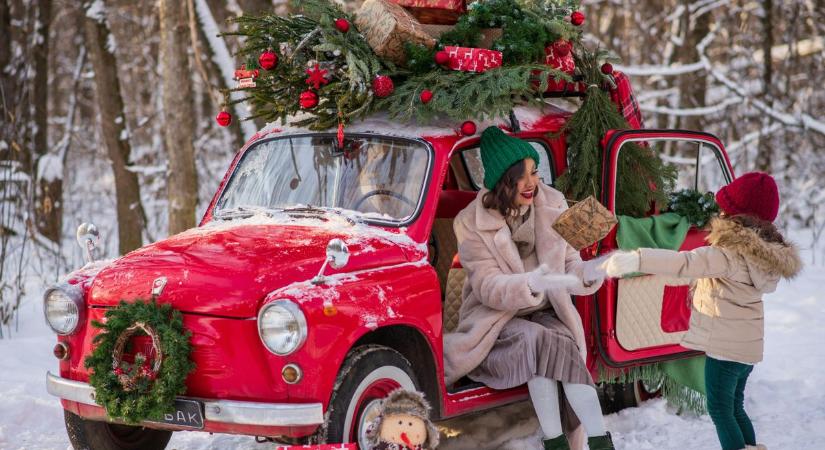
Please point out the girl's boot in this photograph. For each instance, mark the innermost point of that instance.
(557, 443)
(601, 442)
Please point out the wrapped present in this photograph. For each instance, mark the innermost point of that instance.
(472, 59)
(441, 12)
(585, 223)
(387, 27)
(559, 55)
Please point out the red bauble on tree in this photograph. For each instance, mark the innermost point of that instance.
(577, 18)
(309, 99)
(442, 57)
(223, 118)
(382, 86)
(607, 69)
(426, 96)
(342, 25)
(268, 60)
(468, 128)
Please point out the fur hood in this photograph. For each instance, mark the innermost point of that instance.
(772, 258)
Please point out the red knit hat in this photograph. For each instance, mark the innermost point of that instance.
(753, 193)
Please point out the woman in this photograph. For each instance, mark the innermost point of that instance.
(517, 323)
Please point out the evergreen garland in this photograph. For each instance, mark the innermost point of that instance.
(644, 179)
(697, 208)
(462, 95)
(301, 41)
(150, 400)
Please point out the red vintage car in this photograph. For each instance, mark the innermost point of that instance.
(324, 274)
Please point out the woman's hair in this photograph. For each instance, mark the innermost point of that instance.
(766, 230)
(503, 196)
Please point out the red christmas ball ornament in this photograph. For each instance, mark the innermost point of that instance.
(468, 128)
(577, 18)
(442, 57)
(118, 371)
(561, 48)
(268, 60)
(607, 69)
(426, 96)
(223, 118)
(342, 25)
(309, 99)
(382, 86)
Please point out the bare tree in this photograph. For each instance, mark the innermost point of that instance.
(182, 184)
(114, 133)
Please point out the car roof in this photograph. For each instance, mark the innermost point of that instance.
(380, 123)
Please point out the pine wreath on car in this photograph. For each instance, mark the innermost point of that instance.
(145, 387)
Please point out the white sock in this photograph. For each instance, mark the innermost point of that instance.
(544, 393)
(585, 403)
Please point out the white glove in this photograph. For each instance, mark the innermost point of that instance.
(622, 263)
(541, 280)
(593, 272)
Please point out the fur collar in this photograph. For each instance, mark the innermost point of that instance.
(770, 257)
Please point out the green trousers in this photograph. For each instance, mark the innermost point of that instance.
(725, 386)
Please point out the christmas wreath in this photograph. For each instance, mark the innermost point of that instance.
(696, 207)
(132, 385)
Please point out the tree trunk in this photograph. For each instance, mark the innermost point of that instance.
(692, 87)
(764, 157)
(178, 129)
(113, 130)
(48, 194)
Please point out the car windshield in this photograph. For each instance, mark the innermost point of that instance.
(378, 177)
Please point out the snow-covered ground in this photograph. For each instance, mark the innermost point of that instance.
(784, 396)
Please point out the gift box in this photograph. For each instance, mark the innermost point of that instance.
(559, 55)
(585, 223)
(441, 12)
(472, 59)
(387, 27)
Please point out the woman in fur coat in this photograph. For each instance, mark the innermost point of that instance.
(746, 258)
(517, 322)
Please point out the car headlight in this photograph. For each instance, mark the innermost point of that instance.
(63, 307)
(282, 327)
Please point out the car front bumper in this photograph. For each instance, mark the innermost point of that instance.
(229, 412)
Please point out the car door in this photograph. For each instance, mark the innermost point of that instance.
(642, 319)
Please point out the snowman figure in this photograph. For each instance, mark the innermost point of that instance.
(403, 424)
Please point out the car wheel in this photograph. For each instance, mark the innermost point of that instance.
(369, 374)
(92, 435)
(615, 397)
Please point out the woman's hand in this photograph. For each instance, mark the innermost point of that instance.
(622, 263)
(541, 280)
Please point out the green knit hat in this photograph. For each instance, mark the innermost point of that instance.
(499, 152)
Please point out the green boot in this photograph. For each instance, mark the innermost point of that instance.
(601, 442)
(557, 443)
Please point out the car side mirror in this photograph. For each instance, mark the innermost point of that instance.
(337, 258)
(88, 237)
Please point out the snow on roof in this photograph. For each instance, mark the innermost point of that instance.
(381, 123)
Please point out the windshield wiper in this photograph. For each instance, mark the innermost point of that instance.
(309, 210)
(242, 212)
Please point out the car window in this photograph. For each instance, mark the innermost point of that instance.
(697, 163)
(381, 178)
(472, 161)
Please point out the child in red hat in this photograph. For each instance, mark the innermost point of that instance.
(745, 259)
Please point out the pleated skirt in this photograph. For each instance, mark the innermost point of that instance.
(538, 344)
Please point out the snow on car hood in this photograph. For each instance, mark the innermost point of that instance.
(227, 268)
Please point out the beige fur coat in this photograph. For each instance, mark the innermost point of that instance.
(727, 317)
(496, 287)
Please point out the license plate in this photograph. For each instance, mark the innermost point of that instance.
(187, 413)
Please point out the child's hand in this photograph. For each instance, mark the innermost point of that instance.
(622, 263)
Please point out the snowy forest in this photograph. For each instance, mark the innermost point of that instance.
(108, 116)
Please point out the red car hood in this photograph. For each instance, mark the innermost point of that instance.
(228, 271)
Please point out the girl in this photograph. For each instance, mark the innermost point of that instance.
(517, 322)
(745, 259)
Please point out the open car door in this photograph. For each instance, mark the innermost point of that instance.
(642, 319)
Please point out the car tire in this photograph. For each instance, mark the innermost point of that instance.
(92, 435)
(368, 375)
(615, 397)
